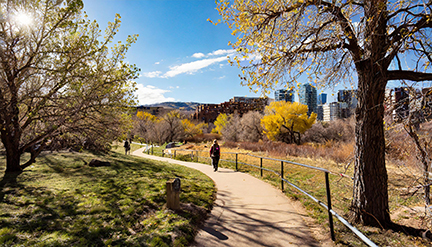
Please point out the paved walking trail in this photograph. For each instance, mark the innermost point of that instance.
(248, 212)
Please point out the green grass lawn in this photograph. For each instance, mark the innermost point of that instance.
(61, 201)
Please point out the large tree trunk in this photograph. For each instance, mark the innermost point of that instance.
(11, 135)
(13, 162)
(13, 154)
(370, 199)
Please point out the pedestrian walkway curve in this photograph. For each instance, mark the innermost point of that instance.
(247, 212)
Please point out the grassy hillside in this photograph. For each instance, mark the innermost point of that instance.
(61, 201)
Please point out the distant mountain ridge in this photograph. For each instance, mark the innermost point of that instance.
(186, 106)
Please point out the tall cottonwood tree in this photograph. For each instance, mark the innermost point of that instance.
(332, 40)
(58, 75)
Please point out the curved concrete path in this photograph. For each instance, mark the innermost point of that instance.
(247, 212)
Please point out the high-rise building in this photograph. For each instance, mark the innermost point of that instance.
(308, 96)
(284, 95)
(332, 111)
(322, 99)
(320, 112)
(348, 102)
(349, 97)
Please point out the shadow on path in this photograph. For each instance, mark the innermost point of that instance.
(248, 212)
(215, 233)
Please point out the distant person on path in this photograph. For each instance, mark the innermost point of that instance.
(215, 154)
(127, 147)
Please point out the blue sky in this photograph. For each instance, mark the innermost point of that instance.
(182, 56)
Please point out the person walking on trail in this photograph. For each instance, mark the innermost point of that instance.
(215, 155)
(127, 147)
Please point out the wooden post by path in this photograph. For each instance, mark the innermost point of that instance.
(173, 188)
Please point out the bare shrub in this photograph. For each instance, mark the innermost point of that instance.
(315, 134)
(167, 128)
(230, 144)
(401, 149)
(253, 146)
(398, 146)
(208, 129)
(341, 130)
(232, 129)
(252, 130)
(208, 137)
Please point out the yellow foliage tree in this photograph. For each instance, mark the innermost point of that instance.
(147, 116)
(286, 121)
(192, 129)
(220, 123)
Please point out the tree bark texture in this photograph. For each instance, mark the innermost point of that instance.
(370, 196)
(11, 134)
(11, 144)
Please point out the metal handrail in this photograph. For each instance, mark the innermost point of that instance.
(331, 212)
(294, 163)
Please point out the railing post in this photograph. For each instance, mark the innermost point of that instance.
(148, 149)
(261, 170)
(191, 155)
(329, 206)
(197, 155)
(174, 154)
(163, 152)
(282, 175)
(236, 162)
(152, 148)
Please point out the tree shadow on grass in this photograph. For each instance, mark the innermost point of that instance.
(9, 179)
(106, 206)
(38, 212)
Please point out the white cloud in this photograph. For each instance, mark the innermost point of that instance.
(157, 63)
(189, 68)
(152, 74)
(221, 52)
(151, 95)
(254, 57)
(192, 67)
(198, 55)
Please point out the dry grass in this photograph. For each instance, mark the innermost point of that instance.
(338, 152)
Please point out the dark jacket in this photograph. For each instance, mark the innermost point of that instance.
(215, 151)
(127, 145)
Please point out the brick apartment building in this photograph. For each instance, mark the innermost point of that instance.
(240, 105)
